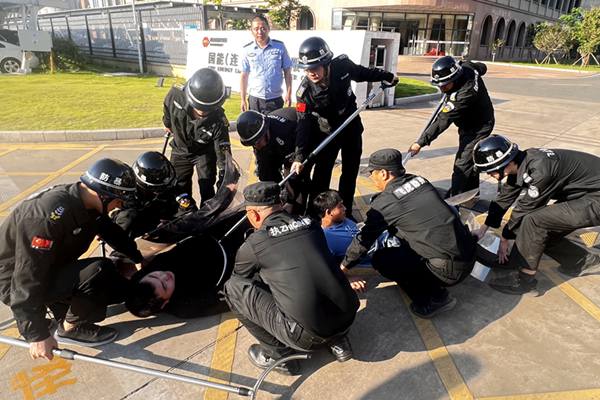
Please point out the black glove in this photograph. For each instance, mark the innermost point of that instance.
(386, 84)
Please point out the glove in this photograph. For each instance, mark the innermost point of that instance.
(386, 84)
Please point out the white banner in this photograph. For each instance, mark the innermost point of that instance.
(222, 51)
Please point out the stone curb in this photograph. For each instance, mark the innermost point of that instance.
(415, 99)
(577, 71)
(84, 135)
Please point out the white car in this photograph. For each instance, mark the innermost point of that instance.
(11, 52)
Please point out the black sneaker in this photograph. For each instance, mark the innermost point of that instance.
(433, 308)
(590, 266)
(258, 356)
(341, 348)
(87, 334)
(516, 282)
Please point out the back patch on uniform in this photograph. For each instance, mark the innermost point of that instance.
(409, 186)
(296, 225)
(40, 243)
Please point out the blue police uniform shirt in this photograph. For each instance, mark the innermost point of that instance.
(265, 68)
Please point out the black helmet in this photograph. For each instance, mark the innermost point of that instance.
(205, 90)
(494, 152)
(154, 172)
(251, 126)
(445, 70)
(110, 179)
(314, 52)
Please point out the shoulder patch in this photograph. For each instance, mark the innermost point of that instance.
(57, 213)
(279, 141)
(527, 178)
(449, 106)
(533, 192)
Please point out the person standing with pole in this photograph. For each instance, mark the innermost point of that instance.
(467, 104)
(324, 101)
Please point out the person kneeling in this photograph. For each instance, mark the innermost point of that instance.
(285, 287)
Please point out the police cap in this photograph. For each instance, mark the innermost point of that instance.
(388, 159)
(262, 194)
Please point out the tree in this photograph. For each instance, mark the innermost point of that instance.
(587, 33)
(496, 46)
(552, 39)
(283, 11)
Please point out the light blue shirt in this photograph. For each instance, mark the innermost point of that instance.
(265, 68)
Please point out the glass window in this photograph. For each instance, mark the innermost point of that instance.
(392, 22)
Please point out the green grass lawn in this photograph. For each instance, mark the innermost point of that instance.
(78, 101)
(590, 68)
(413, 87)
(86, 100)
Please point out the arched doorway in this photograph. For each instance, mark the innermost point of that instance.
(306, 20)
(486, 31)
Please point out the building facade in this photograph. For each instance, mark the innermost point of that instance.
(467, 28)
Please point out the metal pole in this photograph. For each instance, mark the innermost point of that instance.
(313, 154)
(73, 355)
(139, 40)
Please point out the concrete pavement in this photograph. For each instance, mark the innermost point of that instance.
(492, 346)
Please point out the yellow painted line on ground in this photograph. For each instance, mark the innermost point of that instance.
(5, 152)
(37, 186)
(224, 353)
(222, 360)
(579, 298)
(586, 394)
(442, 360)
(10, 332)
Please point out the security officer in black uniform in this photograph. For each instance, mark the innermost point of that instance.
(40, 243)
(324, 101)
(285, 287)
(193, 114)
(533, 178)
(469, 107)
(273, 138)
(436, 250)
(156, 199)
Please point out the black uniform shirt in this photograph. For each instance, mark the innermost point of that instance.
(279, 151)
(411, 208)
(192, 135)
(544, 175)
(469, 107)
(327, 108)
(291, 256)
(44, 232)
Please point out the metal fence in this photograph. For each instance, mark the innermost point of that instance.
(111, 32)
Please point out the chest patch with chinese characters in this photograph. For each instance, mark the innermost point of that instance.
(296, 225)
(409, 186)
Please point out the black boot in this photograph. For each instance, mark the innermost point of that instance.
(341, 348)
(259, 357)
(86, 334)
(433, 308)
(591, 265)
(515, 282)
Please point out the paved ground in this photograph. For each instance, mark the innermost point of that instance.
(492, 346)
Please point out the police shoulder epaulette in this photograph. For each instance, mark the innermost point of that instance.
(276, 41)
(302, 87)
(248, 44)
(341, 57)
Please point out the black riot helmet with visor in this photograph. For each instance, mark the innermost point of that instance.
(110, 179)
(154, 172)
(251, 127)
(205, 90)
(314, 52)
(444, 71)
(494, 153)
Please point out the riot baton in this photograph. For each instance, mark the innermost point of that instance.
(167, 137)
(432, 118)
(239, 390)
(374, 92)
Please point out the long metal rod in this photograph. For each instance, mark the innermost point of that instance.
(435, 113)
(73, 355)
(317, 150)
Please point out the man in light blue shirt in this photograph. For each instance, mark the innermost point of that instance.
(265, 64)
